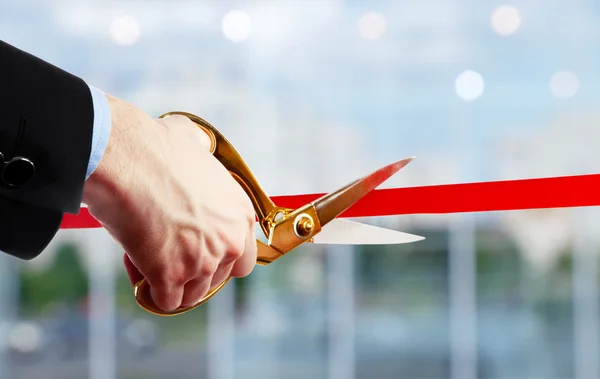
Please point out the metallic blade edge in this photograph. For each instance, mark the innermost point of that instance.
(330, 206)
(346, 232)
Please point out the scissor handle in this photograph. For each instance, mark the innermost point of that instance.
(222, 149)
(141, 291)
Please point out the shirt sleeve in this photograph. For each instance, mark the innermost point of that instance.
(101, 129)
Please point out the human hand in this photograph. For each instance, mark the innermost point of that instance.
(185, 224)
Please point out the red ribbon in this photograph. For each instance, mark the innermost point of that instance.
(557, 192)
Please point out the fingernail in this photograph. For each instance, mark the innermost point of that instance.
(205, 140)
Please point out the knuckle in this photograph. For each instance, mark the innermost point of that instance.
(189, 240)
(237, 248)
(191, 244)
(208, 266)
(234, 255)
(172, 277)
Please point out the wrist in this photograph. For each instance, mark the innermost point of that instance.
(101, 129)
(104, 184)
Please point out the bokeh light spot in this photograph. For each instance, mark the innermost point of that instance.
(125, 30)
(372, 25)
(564, 84)
(469, 85)
(236, 26)
(506, 20)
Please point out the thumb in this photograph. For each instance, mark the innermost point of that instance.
(205, 138)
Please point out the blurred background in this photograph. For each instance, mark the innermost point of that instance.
(477, 89)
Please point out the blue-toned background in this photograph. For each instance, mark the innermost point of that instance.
(477, 90)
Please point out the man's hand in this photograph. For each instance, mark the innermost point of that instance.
(182, 219)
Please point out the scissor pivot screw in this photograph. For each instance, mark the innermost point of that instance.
(304, 226)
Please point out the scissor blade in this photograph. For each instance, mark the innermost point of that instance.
(346, 232)
(333, 204)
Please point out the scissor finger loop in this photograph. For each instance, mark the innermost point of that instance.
(141, 292)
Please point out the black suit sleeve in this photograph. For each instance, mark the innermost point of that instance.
(46, 122)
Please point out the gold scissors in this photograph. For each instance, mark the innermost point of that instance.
(285, 228)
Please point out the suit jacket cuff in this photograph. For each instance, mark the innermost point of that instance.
(101, 129)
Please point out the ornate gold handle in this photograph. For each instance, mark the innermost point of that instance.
(142, 295)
